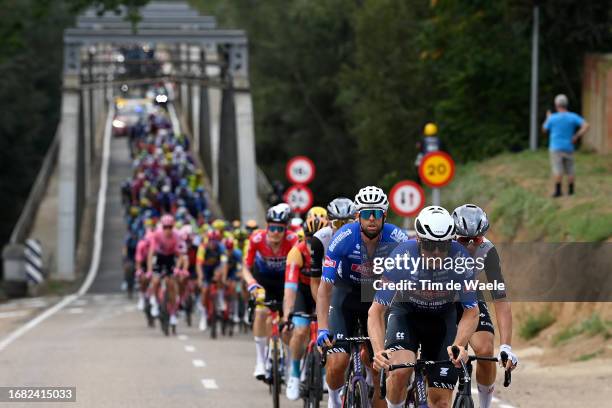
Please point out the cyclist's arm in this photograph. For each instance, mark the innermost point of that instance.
(376, 326)
(292, 272)
(323, 301)
(249, 260)
(200, 261)
(150, 256)
(316, 267)
(503, 311)
(467, 325)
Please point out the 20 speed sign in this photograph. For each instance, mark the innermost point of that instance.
(407, 198)
(299, 198)
(300, 170)
(437, 169)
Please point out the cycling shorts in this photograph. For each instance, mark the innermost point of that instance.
(485, 324)
(274, 285)
(164, 265)
(408, 328)
(347, 315)
(304, 303)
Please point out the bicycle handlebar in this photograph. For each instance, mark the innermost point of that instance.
(455, 351)
(347, 341)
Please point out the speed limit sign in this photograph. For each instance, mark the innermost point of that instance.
(437, 169)
(407, 198)
(299, 198)
(300, 170)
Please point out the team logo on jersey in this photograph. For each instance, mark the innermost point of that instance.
(398, 235)
(443, 371)
(364, 269)
(328, 262)
(257, 238)
(339, 238)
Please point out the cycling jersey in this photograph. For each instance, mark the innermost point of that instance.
(234, 264)
(142, 252)
(347, 262)
(294, 274)
(265, 260)
(320, 242)
(454, 269)
(211, 256)
(167, 246)
(492, 267)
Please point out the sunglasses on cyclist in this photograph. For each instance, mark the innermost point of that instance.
(336, 224)
(276, 228)
(167, 227)
(469, 240)
(430, 246)
(366, 214)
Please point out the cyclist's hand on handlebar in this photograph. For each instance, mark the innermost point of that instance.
(324, 338)
(463, 355)
(381, 360)
(512, 361)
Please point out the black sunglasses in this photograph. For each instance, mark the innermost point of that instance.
(442, 246)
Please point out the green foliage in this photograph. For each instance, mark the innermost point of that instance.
(535, 323)
(351, 83)
(588, 356)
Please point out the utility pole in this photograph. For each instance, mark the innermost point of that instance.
(533, 127)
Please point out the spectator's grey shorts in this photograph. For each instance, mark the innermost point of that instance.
(562, 163)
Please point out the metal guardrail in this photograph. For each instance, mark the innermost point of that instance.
(37, 192)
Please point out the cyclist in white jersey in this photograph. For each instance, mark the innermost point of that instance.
(471, 224)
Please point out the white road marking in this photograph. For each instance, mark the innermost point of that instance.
(97, 249)
(183, 337)
(505, 406)
(210, 384)
(190, 349)
(14, 313)
(75, 310)
(199, 363)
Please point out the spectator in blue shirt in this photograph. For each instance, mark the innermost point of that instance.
(564, 128)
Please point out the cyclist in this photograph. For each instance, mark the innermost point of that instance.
(340, 211)
(211, 262)
(347, 270)
(251, 226)
(263, 271)
(471, 225)
(422, 316)
(299, 296)
(232, 277)
(166, 249)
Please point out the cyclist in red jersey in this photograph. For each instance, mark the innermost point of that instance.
(263, 271)
(299, 297)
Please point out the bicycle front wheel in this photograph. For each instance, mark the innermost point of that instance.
(313, 388)
(360, 395)
(276, 375)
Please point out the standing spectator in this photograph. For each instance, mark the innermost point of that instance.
(565, 128)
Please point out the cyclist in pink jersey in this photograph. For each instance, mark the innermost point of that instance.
(166, 248)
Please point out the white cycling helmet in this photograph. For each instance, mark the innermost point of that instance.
(371, 198)
(434, 223)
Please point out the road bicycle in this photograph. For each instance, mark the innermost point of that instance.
(417, 391)
(311, 388)
(356, 392)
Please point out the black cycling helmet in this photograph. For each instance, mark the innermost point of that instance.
(278, 214)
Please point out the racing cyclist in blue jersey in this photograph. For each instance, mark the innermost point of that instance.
(471, 224)
(347, 271)
(420, 316)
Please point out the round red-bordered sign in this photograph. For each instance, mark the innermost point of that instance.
(299, 198)
(437, 169)
(300, 170)
(407, 198)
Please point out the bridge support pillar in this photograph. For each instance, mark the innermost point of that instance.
(69, 150)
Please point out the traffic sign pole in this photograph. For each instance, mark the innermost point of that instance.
(435, 196)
